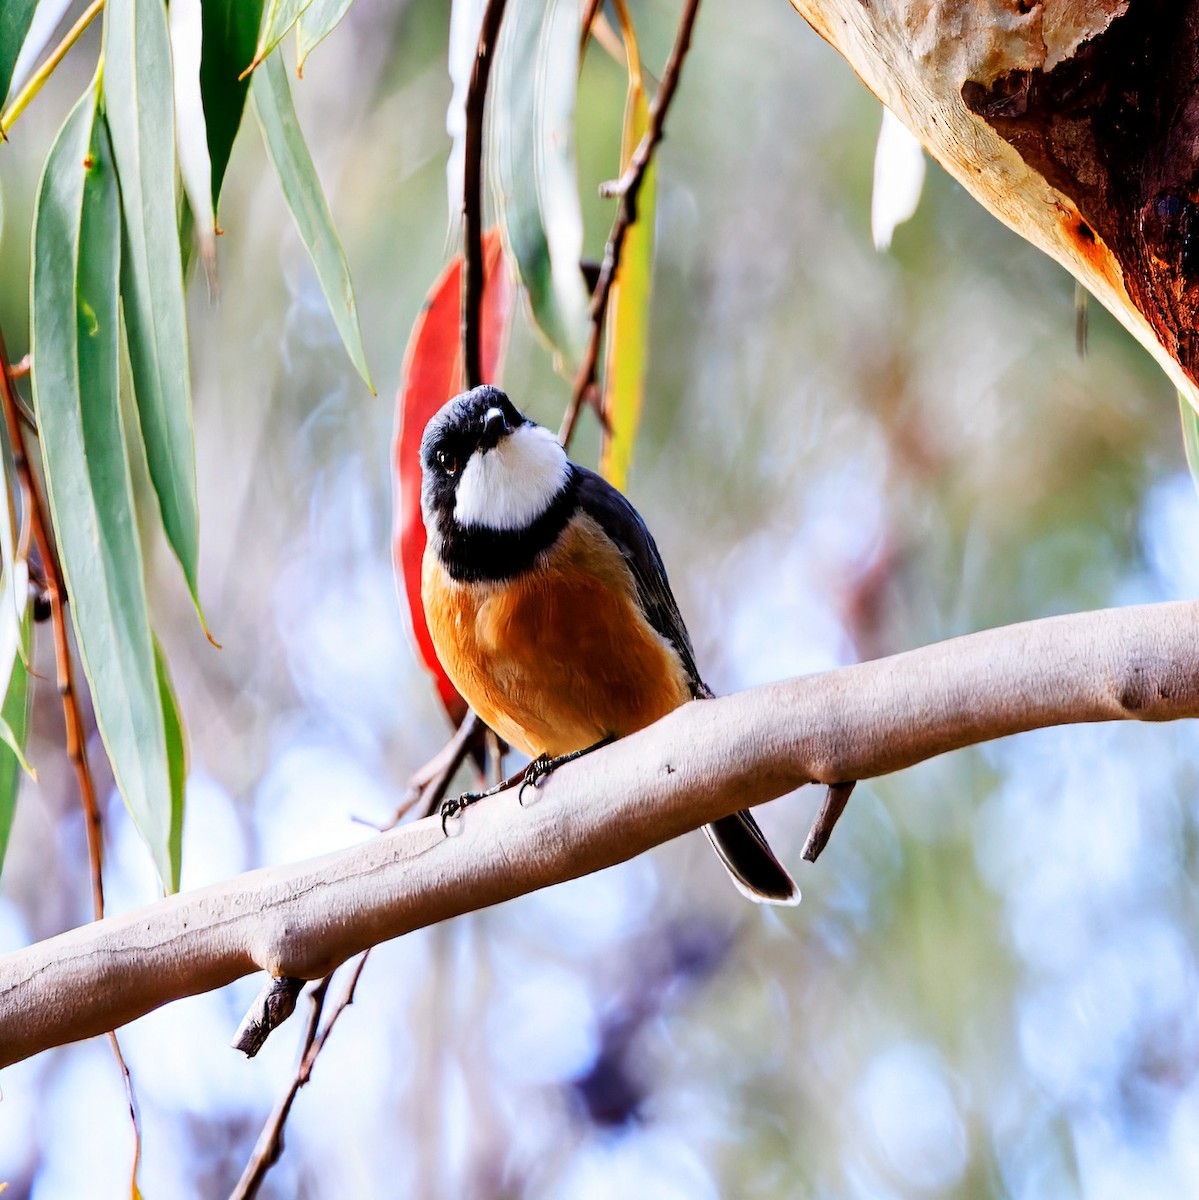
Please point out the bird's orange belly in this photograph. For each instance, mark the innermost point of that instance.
(560, 657)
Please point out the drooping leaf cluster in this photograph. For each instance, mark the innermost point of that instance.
(133, 175)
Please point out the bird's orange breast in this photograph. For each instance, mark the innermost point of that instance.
(559, 657)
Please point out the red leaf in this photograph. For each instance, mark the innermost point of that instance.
(432, 375)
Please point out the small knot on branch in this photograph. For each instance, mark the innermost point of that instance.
(272, 1006)
(830, 812)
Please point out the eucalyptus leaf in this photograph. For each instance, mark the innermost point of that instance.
(279, 17)
(12, 598)
(532, 150)
(302, 190)
(139, 106)
(1190, 436)
(316, 23)
(176, 761)
(15, 17)
(75, 343)
(628, 320)
(48, 15)
(14, 719)
(185, 19)
(228, 37)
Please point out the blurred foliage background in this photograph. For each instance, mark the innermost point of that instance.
(990, 988)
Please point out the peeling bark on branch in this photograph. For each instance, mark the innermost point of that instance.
(1076, 122)
(702, 762)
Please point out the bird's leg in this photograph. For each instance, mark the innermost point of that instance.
(543, 765)
(451, 808)
(528, 777)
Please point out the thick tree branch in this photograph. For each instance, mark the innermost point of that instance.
(701, 762)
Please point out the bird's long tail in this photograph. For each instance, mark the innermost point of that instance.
(749, 859)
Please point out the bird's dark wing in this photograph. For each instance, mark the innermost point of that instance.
(623, 524)
(738, 841)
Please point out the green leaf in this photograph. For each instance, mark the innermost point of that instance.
(12, 599)
(302, 191)
(532, 147)
(1190, 436)
(176, 761)
(279, 17)
(14, 717)
(316, 23)
(628, 305)
(140, 111)
(185, 20)
(15, 16)
(75, 339)
(230, 30)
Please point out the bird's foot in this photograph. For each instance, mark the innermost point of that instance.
(543, 765)
(530, 777)
(449, 809)
(535, 772)
(452, 807)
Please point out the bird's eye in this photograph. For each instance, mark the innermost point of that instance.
(447, 462)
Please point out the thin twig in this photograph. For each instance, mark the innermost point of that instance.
(56, 593)
(426, 789)
(626, 188)
(272, 1006)
(472, 193)
(131, 1100)
(276, 1002)
(270, 1142)
(588, 20)
(38, 78)
(429, 783)
(1081, 296)
(835, 800)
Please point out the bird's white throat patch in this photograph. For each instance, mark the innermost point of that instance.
(510, 486)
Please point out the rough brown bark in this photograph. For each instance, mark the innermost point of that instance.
(1075, 121)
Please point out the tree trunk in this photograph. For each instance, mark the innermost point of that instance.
(1076, 122)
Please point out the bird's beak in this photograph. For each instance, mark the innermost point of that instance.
(495, 426)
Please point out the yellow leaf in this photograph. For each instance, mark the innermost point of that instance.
(627, 346)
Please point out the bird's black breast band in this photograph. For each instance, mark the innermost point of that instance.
(477, 555)
(474, 554)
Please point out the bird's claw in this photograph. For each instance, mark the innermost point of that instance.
(535, 772)
(451, 808)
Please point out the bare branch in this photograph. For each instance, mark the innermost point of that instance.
(56, 592)
(626, 188)
(270, 1142)
(472, 194)
(702, 762)
(34, 507)
(426, 789)
(835, 800)
(272, 1006)
(429, 783)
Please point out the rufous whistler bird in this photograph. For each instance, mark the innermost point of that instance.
(549, 606)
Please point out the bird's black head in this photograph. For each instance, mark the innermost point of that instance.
(493, 484)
